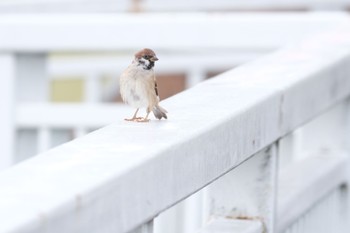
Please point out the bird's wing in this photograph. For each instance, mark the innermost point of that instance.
(156, 87)
(151, 89)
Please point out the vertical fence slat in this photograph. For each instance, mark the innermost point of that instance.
(32, 85)
(79, 131)
(249, 191)
(92, 88)
(193, 213)
(44, 139)
(32, 82)
(145, 228)
(324, 132)
(195, 76)
(7, 116)
(326, 216)
(170, 221)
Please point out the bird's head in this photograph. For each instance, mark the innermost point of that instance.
(146, 58)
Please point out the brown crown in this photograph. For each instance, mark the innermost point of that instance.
(144, 52)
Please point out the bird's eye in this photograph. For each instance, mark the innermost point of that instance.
(146, 56)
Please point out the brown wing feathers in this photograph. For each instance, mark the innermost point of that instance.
(156, 88)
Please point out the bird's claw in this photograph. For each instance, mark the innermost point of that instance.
(143, 120)
(134, 119)
(137, 119)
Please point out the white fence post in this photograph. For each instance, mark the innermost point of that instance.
(7, 118)
(79, 131)
(185, 217)
(170, 221)
(194, 76)
(287, 147)
(249, 191)
(324, 132)
(32, 85)
(44, 139)
(32, 81)
(92, 88)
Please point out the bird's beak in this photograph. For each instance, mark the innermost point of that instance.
(154, 58)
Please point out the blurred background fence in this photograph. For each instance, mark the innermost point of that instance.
(67, 67)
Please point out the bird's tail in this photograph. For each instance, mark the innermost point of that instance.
(159, 112)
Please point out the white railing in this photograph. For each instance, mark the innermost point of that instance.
(194, 55)
(226, 134)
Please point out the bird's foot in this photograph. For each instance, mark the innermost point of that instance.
(136, 119)
(143, 120)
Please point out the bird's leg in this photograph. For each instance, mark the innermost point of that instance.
(134, 118)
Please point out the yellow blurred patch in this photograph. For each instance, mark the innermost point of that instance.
(67, 90)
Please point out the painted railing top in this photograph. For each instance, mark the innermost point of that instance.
(195, 31)
(123, 175)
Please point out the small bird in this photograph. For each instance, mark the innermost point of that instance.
(138, 86)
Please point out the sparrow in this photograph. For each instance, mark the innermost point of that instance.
(138, 86)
